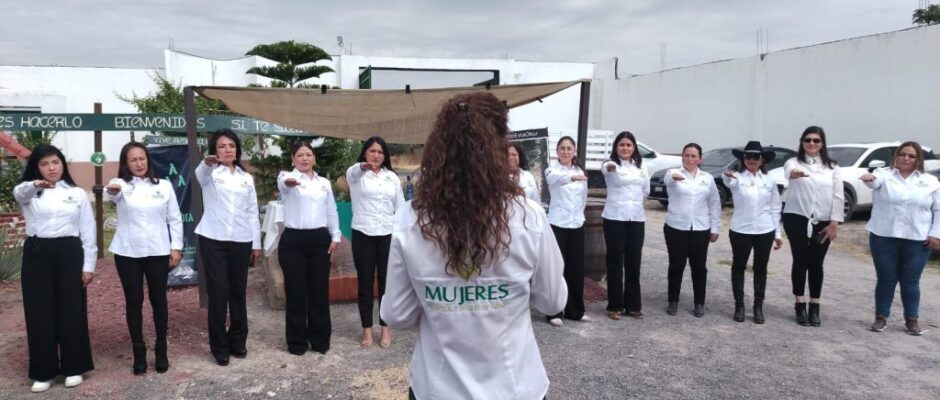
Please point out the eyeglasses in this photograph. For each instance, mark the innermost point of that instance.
(752, 156)
(812, 140)
(906, 155)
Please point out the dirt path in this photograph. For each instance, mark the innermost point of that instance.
(659, 357)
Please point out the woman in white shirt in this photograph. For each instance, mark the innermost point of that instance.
(755, 224)
(518, 164)
(376, 195)
(144, 246)
(628, 184)
(468, 257)
(305, 250)
(811, 216)
(229, 241)
(58, 264)
(567, 185)
(692, 222)
(904, 227)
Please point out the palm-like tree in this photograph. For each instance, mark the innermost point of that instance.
(289, 55)
(926, 16)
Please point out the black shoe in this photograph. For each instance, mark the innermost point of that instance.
(162, 364)
(222, 361)
(739, 312)
(801, 314)
(758, 312)
(239, 353)
(699, 311)
(673, 308)
(814, 314)
(140, 359)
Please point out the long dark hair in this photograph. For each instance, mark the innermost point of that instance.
(574, 160)
(31, 173)
(386, 161)
(125, 173)
(523, 161)
(214, 139)
(637, 160)
(823, 150)
(463, 200)
(918, 163)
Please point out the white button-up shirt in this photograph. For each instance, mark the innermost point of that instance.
(230, 205)
(62, 211)
(694, 203)
(529, 186)
(756, 203)
(566, 209)
(375, 198)
(627, 188)
(904, 208)
(144, 212)
(475, 338)
(309, 205)
(819, 196)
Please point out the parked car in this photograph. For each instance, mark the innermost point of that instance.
(857, 159)
(715, 162)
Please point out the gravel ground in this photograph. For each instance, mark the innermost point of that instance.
(659, 357)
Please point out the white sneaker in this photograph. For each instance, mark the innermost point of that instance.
(73, 381)
(39, 387)
(585, 318)
(556, 322)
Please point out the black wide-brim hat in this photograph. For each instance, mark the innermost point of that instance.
(754, 147)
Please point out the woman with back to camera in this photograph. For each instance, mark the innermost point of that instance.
(628, 184)
(58, 264)
(147, 242)
(692, 221)
(522, 177)
(376, 195)
(306, 250)
(567, 185)
(229, 241)
(903, 229)
(811, 217)
(468, 256)
(755, 224)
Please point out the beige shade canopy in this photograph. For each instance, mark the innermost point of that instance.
(395, 115)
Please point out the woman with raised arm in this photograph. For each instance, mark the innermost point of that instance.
(58, 264)
(376, 195)
(628, 184)
(903, 229)
(229, 241)
(147, 243)
(811, 217)
(468, 257)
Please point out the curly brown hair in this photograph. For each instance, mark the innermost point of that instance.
(465, 195)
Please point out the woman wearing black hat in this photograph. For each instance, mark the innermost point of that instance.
(755, 223)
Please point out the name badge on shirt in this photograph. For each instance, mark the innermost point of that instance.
(70, 200)
(157, 195)
(218, 181)
(920, 183)
(245, 183)
(703, 183)
(389, 179)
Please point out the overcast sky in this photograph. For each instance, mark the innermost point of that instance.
(131, 33)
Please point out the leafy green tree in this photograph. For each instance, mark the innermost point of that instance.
(926, 16)
(289, 55)
(169, 99)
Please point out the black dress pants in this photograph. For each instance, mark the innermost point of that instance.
(306, 265)
(370, 254)
(691, 246)
(741, 246)
(624, 241)
(808, 255)
(132, 271)
(571, 244)
(55, 307)
(225, 265)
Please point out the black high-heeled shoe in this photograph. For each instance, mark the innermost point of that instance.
(814, 314)
(739, 311)
(801, 314)
(758, 312)
(140, 359)
(162, 364)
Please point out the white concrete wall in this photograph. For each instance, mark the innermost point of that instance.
(874, 88)
(188, 69)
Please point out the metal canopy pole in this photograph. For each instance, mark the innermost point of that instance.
(195, 157)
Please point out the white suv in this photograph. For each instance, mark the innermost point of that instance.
(856, 159)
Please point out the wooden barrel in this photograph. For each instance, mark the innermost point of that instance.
(595, 250)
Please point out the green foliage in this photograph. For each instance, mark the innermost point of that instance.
(11, 169)
(169, 99)
(11, 253)
(333, 157)
(926, 16)
(289, 55)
